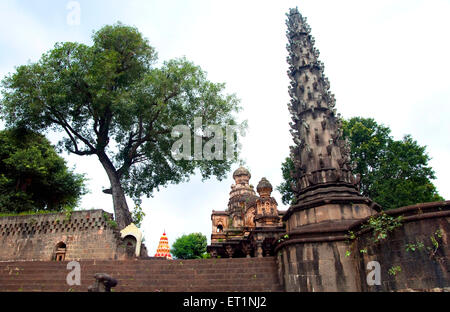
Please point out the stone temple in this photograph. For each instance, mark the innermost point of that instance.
(328, 239)
(251, 224)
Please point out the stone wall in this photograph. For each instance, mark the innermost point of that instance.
(86, 235)
(417, 253)
(323, 258)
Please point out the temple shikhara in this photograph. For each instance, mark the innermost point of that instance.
(250, 224)
(163, 249)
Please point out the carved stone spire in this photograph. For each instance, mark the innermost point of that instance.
(320, 156)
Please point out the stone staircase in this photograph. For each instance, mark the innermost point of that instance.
(153, 275)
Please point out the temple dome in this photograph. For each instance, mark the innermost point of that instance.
(241, 171)
(264, 184)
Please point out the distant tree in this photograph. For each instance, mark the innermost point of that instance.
(32, 175)
(394, 173)
(110, 101)
(192, 246)
(285, 187)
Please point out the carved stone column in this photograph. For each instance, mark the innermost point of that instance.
(246, 248)
(213, 253)
(229, 250)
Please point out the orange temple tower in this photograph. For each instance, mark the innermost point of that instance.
(163, 250)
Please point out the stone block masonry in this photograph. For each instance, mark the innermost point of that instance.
(151, 275)
(45, 237)
(413, 257)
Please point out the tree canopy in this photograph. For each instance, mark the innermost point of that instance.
(32, 175)
(394, 173)
(192, 246)
(110, 100)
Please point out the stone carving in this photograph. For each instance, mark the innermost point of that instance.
(246, 212)
(312, 105)
(103, 283)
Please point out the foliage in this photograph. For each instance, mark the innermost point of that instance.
(137, 215)
(285, 187)
(381, 225)
(26, 213)
(394, 173)
(68, 214)
(368, 141)
(192, 246)
(283, 238)
(435, 243)
(206, 256)
(32, 175)
(110, 100)
(414, 246)
(394, 270)
(432, 250)
(112, 223)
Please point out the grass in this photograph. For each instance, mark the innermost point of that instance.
(26, 213)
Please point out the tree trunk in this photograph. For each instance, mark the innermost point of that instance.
(121, 212)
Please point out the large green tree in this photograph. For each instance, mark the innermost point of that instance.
(192, 246)
(110, 100)
(394, 173)
(32, 175)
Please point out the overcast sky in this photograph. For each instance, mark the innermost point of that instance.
(385, 59)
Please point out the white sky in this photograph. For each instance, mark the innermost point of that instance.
(385, 59)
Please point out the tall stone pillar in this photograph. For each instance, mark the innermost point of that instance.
(327, 193)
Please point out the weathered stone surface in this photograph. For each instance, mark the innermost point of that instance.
(103, 283)
(152, 275)
(85, 235)
(325, 262)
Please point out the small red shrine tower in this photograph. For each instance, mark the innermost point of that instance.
(163, 250)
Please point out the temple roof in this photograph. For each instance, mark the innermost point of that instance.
(248, 199)
(264, 184)
(241, 171)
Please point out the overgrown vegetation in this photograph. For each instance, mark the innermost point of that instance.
(394, 270)
(109, 221)
(432, 249)
(381, 225)
(137, 215)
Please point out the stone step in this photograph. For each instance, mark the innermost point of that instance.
(136, 267)
(194, 262)
(84, 270)
(275, 288)
(132, 280)
(246, 274)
